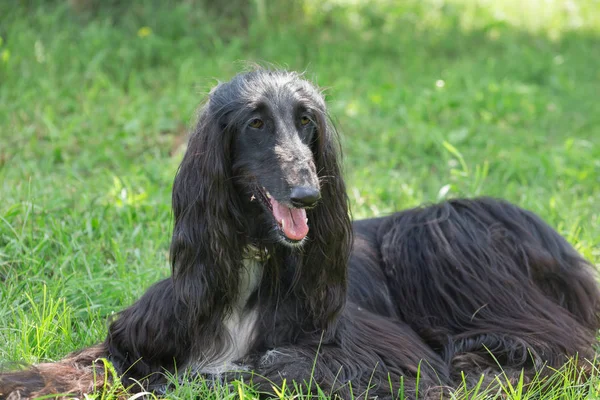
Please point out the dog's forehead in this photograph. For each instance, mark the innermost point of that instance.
(283, 93)
(278, 90)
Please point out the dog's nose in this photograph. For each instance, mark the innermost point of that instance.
(304, 196)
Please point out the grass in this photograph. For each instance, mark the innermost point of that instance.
(435, 99)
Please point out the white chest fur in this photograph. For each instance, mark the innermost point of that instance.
(240, 325)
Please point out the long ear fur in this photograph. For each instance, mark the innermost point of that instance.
(324, 267)
(206, 250)
(179, 319)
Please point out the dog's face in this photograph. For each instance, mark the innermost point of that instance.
(275, 138)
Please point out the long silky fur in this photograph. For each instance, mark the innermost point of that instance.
(77, 374)
(479, 286)
(180, 319)
(305, 330)
(488, 285)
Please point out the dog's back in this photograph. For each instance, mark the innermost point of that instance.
(484, 282)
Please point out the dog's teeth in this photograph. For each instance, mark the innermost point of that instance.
(282, 224)
(252, 198)
(306, 220)
(268, 195)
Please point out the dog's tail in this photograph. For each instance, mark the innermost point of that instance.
(80, 373)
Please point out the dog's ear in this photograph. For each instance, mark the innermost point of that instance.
(206, 245)
(324, 270)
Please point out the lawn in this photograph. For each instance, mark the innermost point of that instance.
(434, 99)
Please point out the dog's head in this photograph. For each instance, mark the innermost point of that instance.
(275, 122)
(262, 168)
(264, 139)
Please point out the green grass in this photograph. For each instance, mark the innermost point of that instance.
(435, 99)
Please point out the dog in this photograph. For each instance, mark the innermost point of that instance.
(272, 281)
(260, 251)
(490, 286)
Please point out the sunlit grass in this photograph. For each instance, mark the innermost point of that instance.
(551, 18)
(434, 99)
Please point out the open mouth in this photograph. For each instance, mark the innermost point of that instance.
(292, 222)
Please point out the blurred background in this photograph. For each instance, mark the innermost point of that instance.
(433, 98)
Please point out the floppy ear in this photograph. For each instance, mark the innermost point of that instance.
(324, 269)
(206, 245)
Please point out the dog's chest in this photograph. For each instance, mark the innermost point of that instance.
(240, 324)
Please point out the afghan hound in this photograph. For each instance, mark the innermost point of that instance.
(269, 283)
(259, 254)
(489, 286)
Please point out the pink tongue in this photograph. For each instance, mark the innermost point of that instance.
(292, 220)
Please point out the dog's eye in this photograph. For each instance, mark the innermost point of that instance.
(304, 120)
(256, 123)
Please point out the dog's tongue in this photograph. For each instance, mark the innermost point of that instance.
(292, 220)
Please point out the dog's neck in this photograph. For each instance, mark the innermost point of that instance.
(254, 253)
